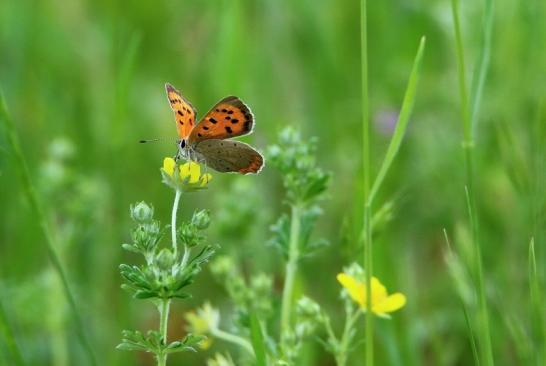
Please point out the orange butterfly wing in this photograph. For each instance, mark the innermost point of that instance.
(184, 113)
(230, 117)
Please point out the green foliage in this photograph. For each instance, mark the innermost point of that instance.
(295, 159)
(153, 342)
(84, 82)
(165, 275)
(305, 184)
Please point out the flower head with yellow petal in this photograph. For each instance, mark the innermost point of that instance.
(382, 303)
(186, 177)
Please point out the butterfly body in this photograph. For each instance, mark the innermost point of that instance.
(208, 141)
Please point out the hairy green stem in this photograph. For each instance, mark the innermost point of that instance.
(41, 219)
(163, 328)
(342, 356)
(291, 268)
(163, 309)
(173, 220)
(232, 338)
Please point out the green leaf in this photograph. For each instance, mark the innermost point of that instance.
(402, 123)
(141, 294)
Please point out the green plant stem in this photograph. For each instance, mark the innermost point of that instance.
(163, 327)
(40, 216)
(368, 260)
(342, 356)
(468, 147)
(366, 161)
(232, 338)
(291, 268)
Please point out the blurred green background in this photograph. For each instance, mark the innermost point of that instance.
(84, 82)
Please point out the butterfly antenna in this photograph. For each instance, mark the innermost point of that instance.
(156, 140)
(146, 141)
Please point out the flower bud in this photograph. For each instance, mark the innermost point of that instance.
(308, 309)
(165, 259)
(141, 212)
(201, 219)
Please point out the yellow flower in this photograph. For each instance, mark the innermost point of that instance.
(381, 302)
(186, 177)
(203, 321)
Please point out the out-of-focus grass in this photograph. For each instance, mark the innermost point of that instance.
(92, 72)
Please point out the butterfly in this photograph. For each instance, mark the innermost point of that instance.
(208, 141)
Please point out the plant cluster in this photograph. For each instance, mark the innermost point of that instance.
(167, 271)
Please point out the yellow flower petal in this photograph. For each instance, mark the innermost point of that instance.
(356, 290)
(168, 166)
(205, 179)
(191, 170)
(379, 292)
(196, 323)
(390, 304)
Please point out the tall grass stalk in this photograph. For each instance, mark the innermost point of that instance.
(484, 337)
(366, 161)
(40, 217)
(392, 151)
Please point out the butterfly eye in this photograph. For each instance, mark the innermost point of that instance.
(182, 144)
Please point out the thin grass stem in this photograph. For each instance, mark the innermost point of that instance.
(40, 217)
(366, 161)
(9, 338)
(486, 352)
(478, 80)
(536, 303)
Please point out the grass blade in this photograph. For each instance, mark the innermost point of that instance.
(478, 80)
(9, 338)
(471, 334)
(40, 217)
(536, 304)
(457, 272)
(403, 119)
(257, 339)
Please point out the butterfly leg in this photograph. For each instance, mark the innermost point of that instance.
(177, 156)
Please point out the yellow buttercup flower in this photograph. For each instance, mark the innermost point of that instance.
(186, 177)
(382, 304)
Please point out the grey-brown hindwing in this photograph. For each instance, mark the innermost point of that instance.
(230, 156)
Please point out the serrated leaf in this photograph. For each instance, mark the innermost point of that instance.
(141, 294)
